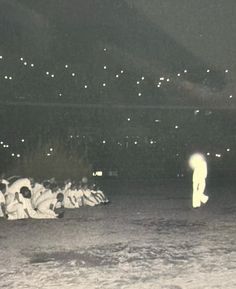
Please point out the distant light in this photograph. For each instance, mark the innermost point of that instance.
(18, 155)
(157, 120)
(103, 141)
(6, 77)
(151, 142)
(228, 150)
(25, 63)
(143, 78)
(138, 82)
(22, 140)
(218, 155)
(60, 94)
(185, 71)
(162, 78)
(105, 67)
(52, 75)
(10, 77)
(178, 74)
(32, 65)
(105, 49)
(226, 70)
(98, 174)
(168, 80)
(47, 72)
(128, 119)
(12, 155)
(231, 96)
(196, 111)
(1, 142)
(140, 94)
(176, 126)
(86, 86)
(117, 76)
(66, 66)
(208, 154)
(159, 85)
(135, 142)
(48, 154)
(122, 71)
(71, 136)
(21, 59)
(1, 57)
(177, 155)
(51, 149)
(208, 70)
(73, 74)
(104, 84)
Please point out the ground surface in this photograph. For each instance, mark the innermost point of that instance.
(148, 237)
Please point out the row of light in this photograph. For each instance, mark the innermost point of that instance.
(73, 74)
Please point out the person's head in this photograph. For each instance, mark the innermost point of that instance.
(195, 160)
(3, 188)
(60, 197)
(25, 192)
(54, 187)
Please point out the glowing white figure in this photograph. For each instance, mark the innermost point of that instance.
(198, 164)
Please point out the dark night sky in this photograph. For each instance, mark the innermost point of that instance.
(153, 38)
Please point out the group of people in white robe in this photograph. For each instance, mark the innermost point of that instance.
(23, 198)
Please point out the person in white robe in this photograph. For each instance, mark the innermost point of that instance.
(198, 164)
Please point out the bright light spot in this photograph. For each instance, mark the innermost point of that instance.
(157, 120)
(143, 78)
(105, 67)
(228, 150)
(1, 57)
(1, 142)
(22, 140)
(178, 74)
(12, 155)
(25, 63)
(66, 66)
(226, 70)
(18, 155)
(185, 71)
(10, 77)
(104, 84)
(60, 94)
(151, 142)
(21, 59)
(117, 76)
(128, 119)
(138, 82)
(135, 142)
(51, 149)
(98, 174)
(140, 94)
(218, 155)
(122, 71)
(176, 126)
(103, 141)
(32, 65)
(208, 154)
(231, 96)
(105, 49)
(47, 73)
(73, 74)
(48, 154)
(52, 75)
(86, 86)
(162, 78)
(208, 70)
(168, 80)
(196, 111)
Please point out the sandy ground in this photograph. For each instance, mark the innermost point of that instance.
(148, 237)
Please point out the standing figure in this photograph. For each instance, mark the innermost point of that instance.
(198, 164)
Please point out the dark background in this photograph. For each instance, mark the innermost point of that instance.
(139, 130)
